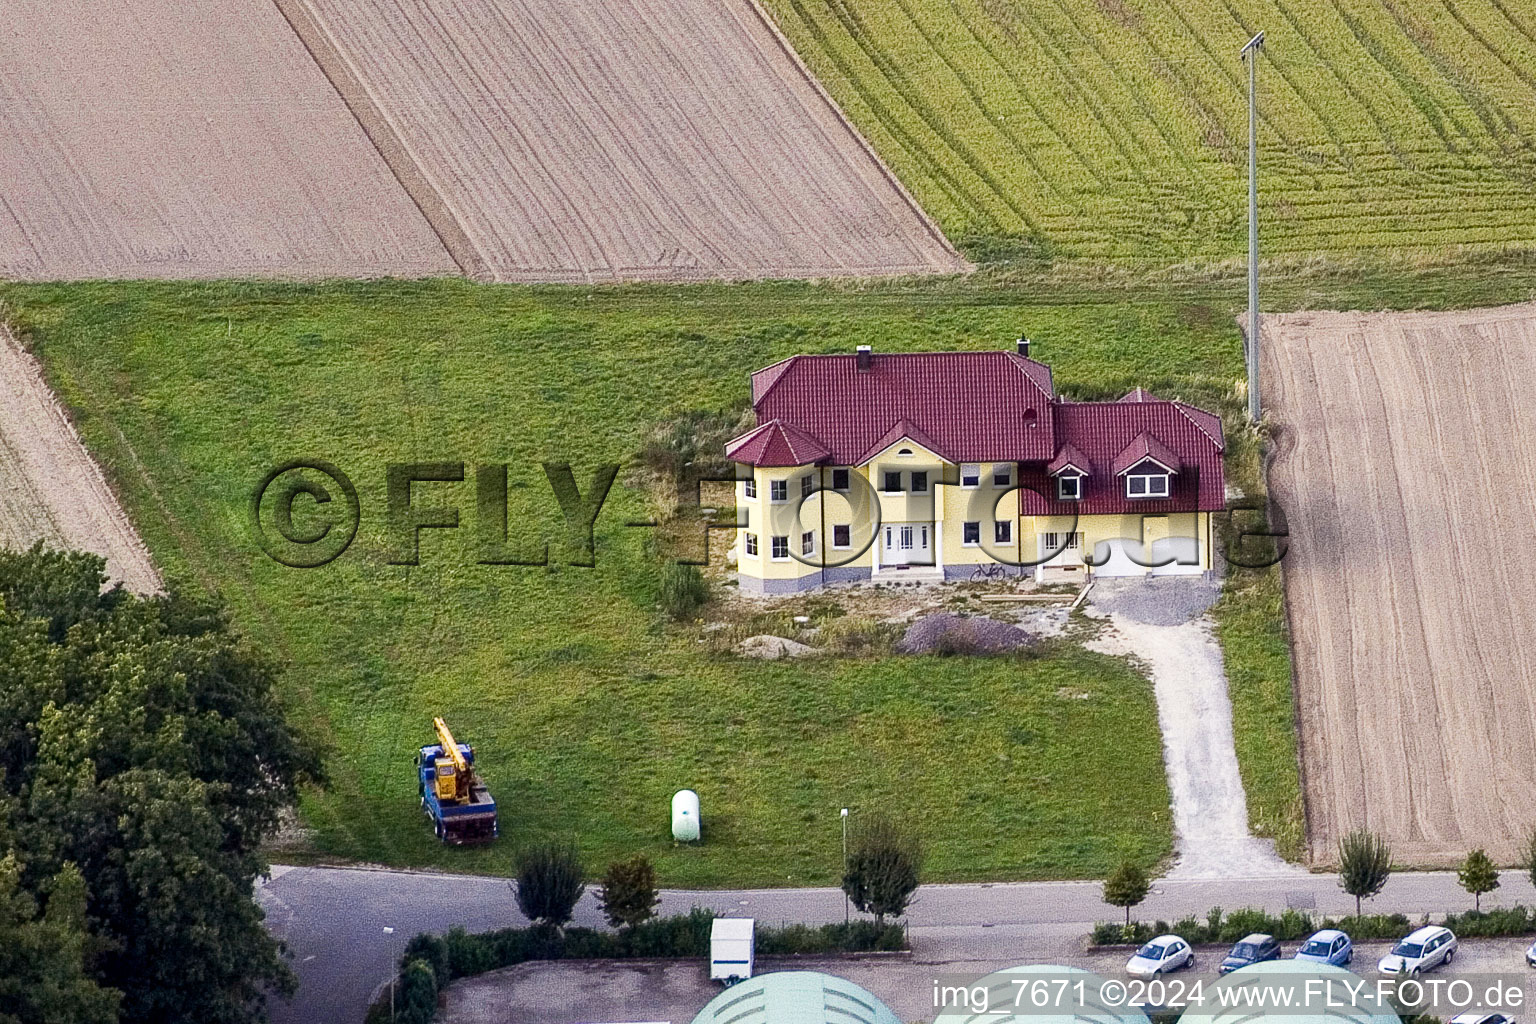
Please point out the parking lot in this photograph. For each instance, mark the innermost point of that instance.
(604, 992)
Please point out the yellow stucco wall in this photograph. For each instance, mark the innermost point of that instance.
(947, 505)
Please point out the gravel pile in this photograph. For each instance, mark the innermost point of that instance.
(955, 634)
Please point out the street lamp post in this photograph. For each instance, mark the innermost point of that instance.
(1250, 54)
(393, 976)
(847, 913)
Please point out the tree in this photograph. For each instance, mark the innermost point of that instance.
(1126, 887)
(1478, 875)
(549, 883)
(144, 751)
(629, 894)
(46, 959)
(883, 868)
(1365, 864)
(1530, 856)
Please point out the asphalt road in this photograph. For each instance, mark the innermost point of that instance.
(344, 926)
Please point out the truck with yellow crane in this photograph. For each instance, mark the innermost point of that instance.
(452, 795)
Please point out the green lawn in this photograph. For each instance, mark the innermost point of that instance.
(1116, 130)
(586, 711)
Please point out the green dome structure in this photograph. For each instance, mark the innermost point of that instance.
(1000, 993)
(795, 997)
(1275, 974)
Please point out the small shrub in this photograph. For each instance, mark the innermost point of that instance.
(682, 590)
(883, 867)
(548, 883)
(855, 635)
(629, 895)
(431, 950)
(416, 996)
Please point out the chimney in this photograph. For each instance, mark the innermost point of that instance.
(864, 358)
(1023, 344)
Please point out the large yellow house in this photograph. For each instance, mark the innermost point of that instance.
(962, 465)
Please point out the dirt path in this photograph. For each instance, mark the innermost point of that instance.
(50, 488)
(1405, 460)
(1210, 808)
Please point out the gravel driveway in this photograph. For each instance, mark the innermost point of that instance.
(1163, 624)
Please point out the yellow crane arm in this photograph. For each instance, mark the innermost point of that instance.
(450, 748)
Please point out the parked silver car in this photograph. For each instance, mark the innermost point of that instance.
(1163, 954)
(1424, 950)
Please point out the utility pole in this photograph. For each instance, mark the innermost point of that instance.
(1250, 53)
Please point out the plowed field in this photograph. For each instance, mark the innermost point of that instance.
(187, 138)
(620, 139)
(1406, 455)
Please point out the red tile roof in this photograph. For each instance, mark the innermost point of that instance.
(983, 407)
(1103, 430)
(776, 444)
(972, 406)
(1070, 456)
(1143, 447)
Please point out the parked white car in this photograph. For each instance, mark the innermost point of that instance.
(1530, 955)
(1482, 1018)
(1424, 950)
(1163, 954)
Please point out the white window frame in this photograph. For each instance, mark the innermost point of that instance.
(966, 526)
(885, 478)
(848, 529)
(1077, 487)
(808, 543)
(912, 486)
(1146, 480)
(1002, 531)
(749, 544)
(972, 470)
(1005, 470)
(774, 544)
(847, 480)
(807, 485)
(778, 491)
(749, 487)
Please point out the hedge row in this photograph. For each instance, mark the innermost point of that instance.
(1219, 927)
(1293, 924)
(432, 961)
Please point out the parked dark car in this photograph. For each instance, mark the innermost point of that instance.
(1252, 949)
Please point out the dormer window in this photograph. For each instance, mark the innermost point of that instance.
(1148, 483)
(1069, 487)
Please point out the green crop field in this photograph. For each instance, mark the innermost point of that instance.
(1116, 130)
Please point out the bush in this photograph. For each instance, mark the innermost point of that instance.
(1516, 920)
(416, 996)
(629, 895)
(549, 883)
(883, 868)
(682, 590)
(856, 635)
(1287, 927)
(431, 962)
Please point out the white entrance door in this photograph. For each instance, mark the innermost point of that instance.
(906, 544)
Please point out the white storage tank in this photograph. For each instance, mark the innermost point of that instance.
(685, 816)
